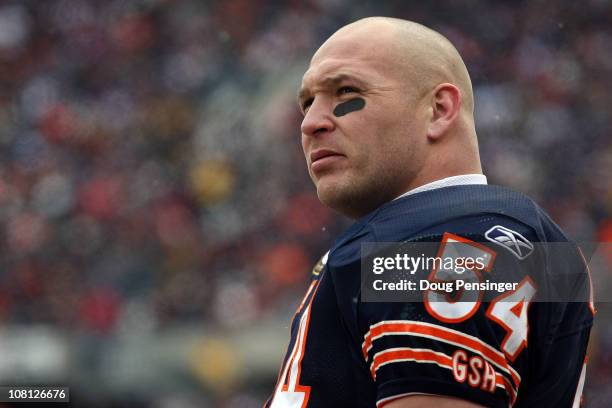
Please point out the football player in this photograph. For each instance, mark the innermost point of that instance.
(389, 139)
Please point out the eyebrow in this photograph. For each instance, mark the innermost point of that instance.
(328, 82)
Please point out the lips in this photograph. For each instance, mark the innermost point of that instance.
(321, 154)
(324, 160)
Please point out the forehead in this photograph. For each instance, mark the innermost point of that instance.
(336, 70)
(347, 59)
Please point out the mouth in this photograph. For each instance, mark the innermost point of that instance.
(322, 154)
(324, 160)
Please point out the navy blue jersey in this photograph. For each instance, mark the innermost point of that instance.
(507, 351)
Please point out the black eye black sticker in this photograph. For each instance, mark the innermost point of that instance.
(352, 105)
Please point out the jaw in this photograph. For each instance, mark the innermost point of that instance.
(346, 195)
(356, 194)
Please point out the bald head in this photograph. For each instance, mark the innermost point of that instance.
(388, 107)
(421, 56)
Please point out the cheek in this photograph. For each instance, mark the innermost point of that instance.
(382, 144)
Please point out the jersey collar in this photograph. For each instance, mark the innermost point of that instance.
(463, 179)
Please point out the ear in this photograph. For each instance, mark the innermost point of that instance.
(445, 103)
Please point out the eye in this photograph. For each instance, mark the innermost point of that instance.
(347, 89)
(306, 104)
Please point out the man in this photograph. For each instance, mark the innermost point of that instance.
(389, 139)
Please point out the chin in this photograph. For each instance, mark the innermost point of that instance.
(347, 200)
(328, 193)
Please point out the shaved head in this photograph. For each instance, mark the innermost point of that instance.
(388, 106)
(421, 55)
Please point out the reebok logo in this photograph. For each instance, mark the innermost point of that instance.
(511, 240)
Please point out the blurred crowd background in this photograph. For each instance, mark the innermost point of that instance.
(157, 223)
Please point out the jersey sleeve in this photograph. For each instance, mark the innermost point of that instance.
(478, 346)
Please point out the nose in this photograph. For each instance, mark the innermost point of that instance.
(318, 120)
